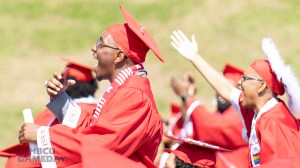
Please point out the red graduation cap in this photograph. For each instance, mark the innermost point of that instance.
(232, 72)
(196, 155)
(264, 70)
(133, 38)
(197, 143)
(79, 71)
(196, 152)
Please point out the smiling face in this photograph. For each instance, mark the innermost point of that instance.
(105, 52)
(251, 83)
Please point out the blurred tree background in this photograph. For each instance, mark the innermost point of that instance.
(36, 33)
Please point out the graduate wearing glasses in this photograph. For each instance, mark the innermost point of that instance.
(125, 119)
(271, 127)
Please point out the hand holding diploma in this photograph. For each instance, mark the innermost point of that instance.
(58, 84)
(29, 129)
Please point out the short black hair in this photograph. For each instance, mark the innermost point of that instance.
(81, 89)
(182, 164)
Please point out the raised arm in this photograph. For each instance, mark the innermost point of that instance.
(189, 50)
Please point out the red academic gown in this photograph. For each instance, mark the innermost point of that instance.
(273, 130)
(175, 119)
(91, 159)
(292, 160)
(129, 124)
(44, 118)
(224, 130)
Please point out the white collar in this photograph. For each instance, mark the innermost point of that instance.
(268, 105)
(89, 100)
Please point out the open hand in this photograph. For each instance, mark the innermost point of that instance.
(187, 48)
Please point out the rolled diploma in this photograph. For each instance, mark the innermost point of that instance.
(27, 115)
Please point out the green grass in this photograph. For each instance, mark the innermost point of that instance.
(35, 33)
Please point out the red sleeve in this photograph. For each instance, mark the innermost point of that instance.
(44, 117)
(125, 124)
(224, 130)
(108, 158)
(276, 140)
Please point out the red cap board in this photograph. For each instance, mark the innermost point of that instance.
(196, 152)
(263, 68)
(197, 143)
(232, 72)
(196, 155)
(79, 71)
(134, 40)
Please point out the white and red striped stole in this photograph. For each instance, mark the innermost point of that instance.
(119, 81)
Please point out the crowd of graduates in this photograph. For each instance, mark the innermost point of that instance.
(251, 126)
(223, 127)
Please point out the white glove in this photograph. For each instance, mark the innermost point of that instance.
(184, 46)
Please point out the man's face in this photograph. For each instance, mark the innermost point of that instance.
(250, 84)
(105, 53)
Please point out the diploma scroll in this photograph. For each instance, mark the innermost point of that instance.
(27, 115)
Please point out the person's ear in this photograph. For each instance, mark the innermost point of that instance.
(263, 87)
(120, 57)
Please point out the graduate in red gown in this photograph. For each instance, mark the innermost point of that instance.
(267, 119)
(176, 120)
(125, 120)
(223, 127)
(82, 93)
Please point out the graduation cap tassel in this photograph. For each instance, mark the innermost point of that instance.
(284, 74)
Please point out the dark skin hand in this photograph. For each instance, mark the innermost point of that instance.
(54, 86)
(187, 88)
(28, 132)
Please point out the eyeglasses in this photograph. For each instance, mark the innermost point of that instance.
(244, 78)
(100, 44)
